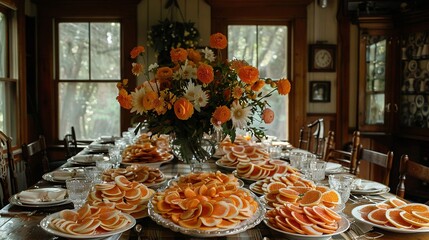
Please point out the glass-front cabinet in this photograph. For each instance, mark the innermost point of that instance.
(414, 86)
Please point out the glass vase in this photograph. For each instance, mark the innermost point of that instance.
(193, 151)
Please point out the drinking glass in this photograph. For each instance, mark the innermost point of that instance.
(295, 159)
(103, 164)
(93, 174)
(78, 190)
(342, 184)
(318, 169)
(115, 155)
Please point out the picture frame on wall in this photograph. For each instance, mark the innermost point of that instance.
(320, 91)
(322, 58)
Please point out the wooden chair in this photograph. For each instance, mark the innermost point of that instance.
(36, 160)
(311, 138)
(412, 169)
(329, 144)
(384, 160)
(347, 159)
(7, 177)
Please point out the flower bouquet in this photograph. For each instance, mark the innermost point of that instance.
(200, 93)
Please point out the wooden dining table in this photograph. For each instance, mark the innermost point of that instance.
(18, 222)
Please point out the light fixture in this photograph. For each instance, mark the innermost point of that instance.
(323, 3)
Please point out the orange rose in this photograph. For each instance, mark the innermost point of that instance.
(222, 114)
(283, 86)
(148, 100)
(248, 74)
(178, 55)
(218, 41)
(258, 85)
(164, 72)
(237, 64)
(205, 73)
(183, 109)
(124, 99)
(194, 55)
(136, 51)
(268, 115)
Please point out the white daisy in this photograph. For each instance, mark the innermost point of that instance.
(138, 100)
(189, 72)
(196, 95)
(208, 54)
(239, 115)
(153, 66)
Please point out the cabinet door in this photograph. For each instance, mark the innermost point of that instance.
(414, 86)
(374, 80)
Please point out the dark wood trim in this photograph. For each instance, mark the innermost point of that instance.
(291, 13)
(48, 11)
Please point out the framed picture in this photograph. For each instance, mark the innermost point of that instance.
(320, 91)
(322, 58)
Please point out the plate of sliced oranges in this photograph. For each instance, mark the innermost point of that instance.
(395, 215)
(308, 223)
(102, 222)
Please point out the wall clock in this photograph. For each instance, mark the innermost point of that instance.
(322, 58)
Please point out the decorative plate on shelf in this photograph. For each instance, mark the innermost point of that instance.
(97, 235)
(412, 65)
(344, 224)
(249, 223)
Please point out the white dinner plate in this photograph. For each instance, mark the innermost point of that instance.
(41, 191)
(149, 164)
(343, 225)
(249, 180)
(252, 188)
(370, 187)
(357, 215)
(63, 174)
(85, 159)
(98, 235)
(16, 201)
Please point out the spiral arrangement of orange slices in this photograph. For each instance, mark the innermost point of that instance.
(279, 194)
(397, 213)
(145, 153)
(236, 154)
(142, 174)
(208, 205)
(316, 220)
(217, 177)
(264, 169)
(289, 179)
(129, 197)
(89, 220)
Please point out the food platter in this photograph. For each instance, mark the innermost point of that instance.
(150, 164)
(98, 235)
(357, 215)
(344, 224)
(249, 223)
(219, 163)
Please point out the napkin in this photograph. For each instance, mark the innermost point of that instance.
(87, 158)
(42, 195)
(66, 174)
(98, 146)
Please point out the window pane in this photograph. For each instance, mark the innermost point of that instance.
(90, 107)
(266, 48)
(2, 106)
(8, 107)
(272, 51)
(242, 43)
(73, 50)
(3, 55)
(105, 51)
